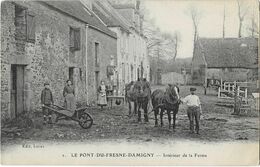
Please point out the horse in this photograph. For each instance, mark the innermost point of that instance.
(166, 101)
(138, 92)
(130, 96)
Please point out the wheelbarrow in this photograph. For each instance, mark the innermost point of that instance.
(80, 115)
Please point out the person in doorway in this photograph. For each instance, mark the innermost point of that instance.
(102, 98)
(46, 100)
(194, 109)
(69, 95)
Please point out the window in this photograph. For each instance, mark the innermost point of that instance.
(20, 23)
(24, 24)
(74, 39)
(30, 30)
(96, 54)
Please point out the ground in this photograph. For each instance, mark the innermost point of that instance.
(217, 124)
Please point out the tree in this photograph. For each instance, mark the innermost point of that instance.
(242, 11)
(253, 21)
(196, 15)
(224, 19)
(177, 40)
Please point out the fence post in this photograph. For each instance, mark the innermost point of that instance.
(236, 102)
(238, 90)
(246, 93)
(221, 83)
(219, 92)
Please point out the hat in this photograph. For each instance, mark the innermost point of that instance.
(192, 89)
(46, 83)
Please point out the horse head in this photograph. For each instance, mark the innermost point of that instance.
(142, 89)
(138, 87)
(173, 93)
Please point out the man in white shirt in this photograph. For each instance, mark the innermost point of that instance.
(194, 109)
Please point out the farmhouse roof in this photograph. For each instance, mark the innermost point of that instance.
(76, 9)
(228, 52)
(109, 15)
(124, 6)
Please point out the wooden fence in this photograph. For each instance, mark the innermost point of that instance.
(227, 89)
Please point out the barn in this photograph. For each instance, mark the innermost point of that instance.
(229, 59)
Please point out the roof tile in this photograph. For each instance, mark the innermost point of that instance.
(77, 10)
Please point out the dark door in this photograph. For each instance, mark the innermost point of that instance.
(71, 78)
(17, 90)
(97, 81)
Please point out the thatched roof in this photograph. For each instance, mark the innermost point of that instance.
(228, 52)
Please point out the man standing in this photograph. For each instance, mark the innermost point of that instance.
(194, 109)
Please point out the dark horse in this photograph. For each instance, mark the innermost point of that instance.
(138, 92)
(166, 101)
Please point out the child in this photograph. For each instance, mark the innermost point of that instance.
(47, 100)
(194, 109)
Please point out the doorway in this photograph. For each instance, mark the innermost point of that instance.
(17, 90)
(97, 82)
(71, 74)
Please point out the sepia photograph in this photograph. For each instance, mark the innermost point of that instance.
(130, 82)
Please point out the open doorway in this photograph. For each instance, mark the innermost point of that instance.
(17, 90)
(97, 83)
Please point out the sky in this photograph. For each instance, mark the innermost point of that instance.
(173, 15)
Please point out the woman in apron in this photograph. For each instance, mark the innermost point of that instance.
(69, 94)
(102, 97)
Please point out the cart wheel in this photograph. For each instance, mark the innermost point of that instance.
(85, 120)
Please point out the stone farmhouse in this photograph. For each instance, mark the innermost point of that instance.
(51, 41)
(125, 20)
(85, 41)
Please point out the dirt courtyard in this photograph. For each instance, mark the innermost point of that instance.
(217, 124)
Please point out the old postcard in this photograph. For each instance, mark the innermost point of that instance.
(130, 82)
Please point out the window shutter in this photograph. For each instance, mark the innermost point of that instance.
(30, 29)
(72, 38)
(77, 39)
(110, 70)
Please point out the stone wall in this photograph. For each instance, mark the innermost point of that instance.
(107, 48)
(46, 59)
(172, 78)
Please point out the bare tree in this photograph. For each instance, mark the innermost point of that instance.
(171, 44)
(177, 40)
(242, 11)
(224, 19)
(196, 15)
(253, 25)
